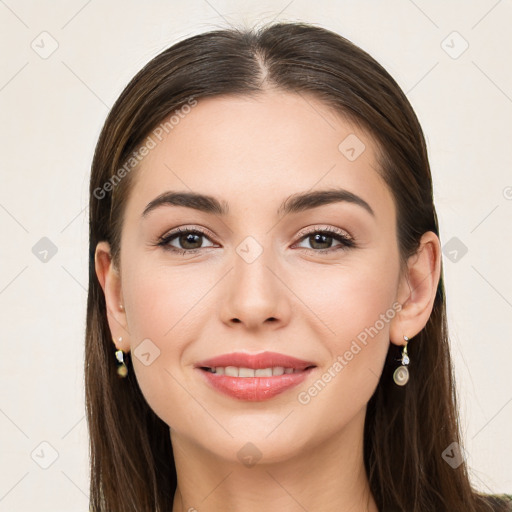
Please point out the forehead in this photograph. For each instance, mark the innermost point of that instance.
(260, 148)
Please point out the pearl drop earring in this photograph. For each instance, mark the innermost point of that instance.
(122, 369)
(401, 374)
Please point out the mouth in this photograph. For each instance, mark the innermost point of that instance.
(254, 377)
(233, 371)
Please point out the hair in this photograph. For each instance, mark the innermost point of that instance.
(406, 428)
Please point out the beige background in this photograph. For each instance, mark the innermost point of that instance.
(53, 106)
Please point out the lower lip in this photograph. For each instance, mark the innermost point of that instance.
(255, 389)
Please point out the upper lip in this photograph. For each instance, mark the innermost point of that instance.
(255, 361)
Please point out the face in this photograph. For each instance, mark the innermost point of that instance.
(311, 280)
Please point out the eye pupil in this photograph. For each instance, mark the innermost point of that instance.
(322, 239)
(189, 239)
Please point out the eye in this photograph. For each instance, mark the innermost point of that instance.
(325, 237)
(188, 239)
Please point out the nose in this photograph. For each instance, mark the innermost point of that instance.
(256, 294)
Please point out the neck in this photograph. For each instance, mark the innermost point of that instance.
(328, 476)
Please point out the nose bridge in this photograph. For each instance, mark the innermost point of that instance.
(256, 293)
(252, 277)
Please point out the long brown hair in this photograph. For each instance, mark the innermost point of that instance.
(408, 428)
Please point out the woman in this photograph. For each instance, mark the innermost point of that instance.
(265, 273)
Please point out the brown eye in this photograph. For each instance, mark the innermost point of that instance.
(188, 240)
(322, 240)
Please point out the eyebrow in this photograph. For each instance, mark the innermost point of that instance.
(293, 204)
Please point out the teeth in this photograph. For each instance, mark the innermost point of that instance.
(246, 372)
(231, 371)
(234, 371)
(263, 372)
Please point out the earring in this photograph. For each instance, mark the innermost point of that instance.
(122, 369)
(401, 374)
(121, 307)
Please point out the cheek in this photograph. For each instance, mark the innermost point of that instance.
(165, 312)
(164, 301)
(357, 304)
(351, 300)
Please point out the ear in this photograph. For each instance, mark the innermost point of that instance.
(417, 290)
(110, 281)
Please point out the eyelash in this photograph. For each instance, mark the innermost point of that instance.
(346, 241)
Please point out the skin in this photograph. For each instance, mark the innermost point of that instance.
(254, 152)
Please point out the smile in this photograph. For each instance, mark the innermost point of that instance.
(254, 377)
(233, 371)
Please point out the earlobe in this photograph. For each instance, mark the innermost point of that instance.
(418, 289)
(110, 281)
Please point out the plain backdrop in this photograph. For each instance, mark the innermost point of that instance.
(63, 64)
